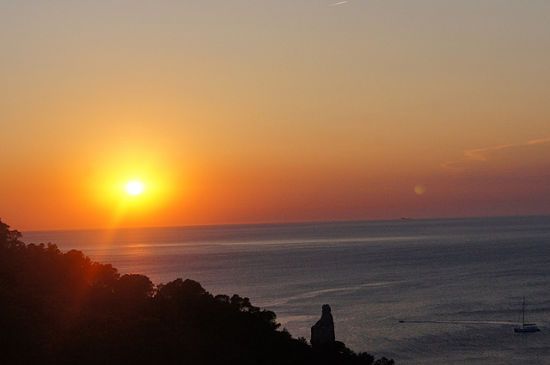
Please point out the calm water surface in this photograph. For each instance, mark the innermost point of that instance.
(373, 274)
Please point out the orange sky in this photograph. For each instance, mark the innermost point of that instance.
(272, 111)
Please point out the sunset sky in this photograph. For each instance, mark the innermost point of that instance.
(272, 111)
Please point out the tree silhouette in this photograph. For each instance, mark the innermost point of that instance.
(63, 308)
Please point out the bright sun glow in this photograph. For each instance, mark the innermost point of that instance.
(134, 187)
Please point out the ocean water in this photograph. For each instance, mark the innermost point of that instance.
(373, 274)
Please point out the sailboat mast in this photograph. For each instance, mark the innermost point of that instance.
(523, 312)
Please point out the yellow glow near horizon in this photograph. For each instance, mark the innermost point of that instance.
(134, 187)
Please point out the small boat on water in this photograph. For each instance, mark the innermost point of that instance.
(525, 327)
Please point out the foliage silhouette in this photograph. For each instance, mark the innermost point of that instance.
(63, 308)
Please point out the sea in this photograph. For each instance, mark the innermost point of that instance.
(457, 284)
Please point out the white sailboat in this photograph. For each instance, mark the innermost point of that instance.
(525, 327)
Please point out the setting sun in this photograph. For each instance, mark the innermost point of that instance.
(134, 187)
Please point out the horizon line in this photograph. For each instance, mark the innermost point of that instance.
(281, 223)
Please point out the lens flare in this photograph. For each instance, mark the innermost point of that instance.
(420, 189)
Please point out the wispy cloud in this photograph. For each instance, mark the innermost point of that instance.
(483, 154)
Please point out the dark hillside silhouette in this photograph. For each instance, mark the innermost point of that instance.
(63, 308)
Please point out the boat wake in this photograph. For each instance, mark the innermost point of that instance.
(504, 323)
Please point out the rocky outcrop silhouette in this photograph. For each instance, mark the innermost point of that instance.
(322, 332)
